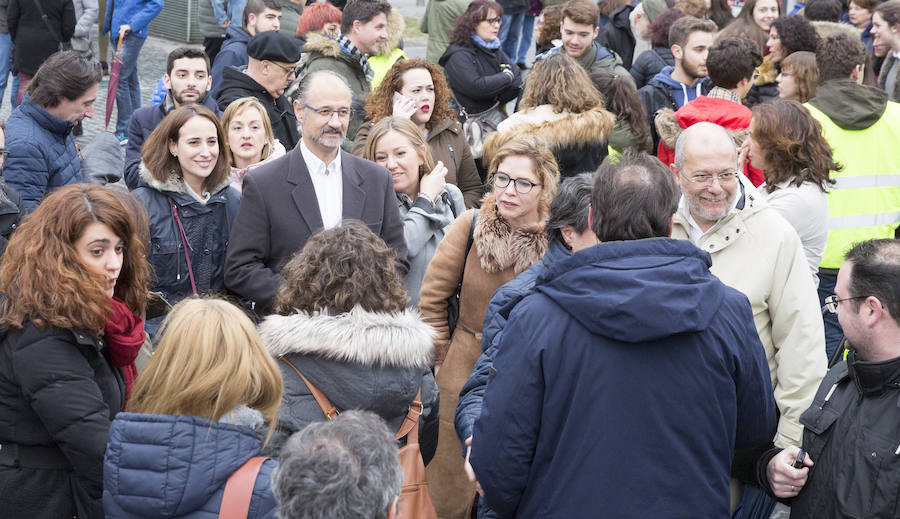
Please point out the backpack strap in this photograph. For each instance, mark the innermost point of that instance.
(239, 489)
(410, 425)
(328, 408)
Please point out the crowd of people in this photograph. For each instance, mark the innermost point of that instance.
(654, 273)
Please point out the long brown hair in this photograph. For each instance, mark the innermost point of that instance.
(561, 82)
(380, 103)
(792, 145)
(744, 26)
(622, 101)
(161, 163)
(42, 276)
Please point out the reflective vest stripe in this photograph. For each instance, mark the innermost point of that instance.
(854, 182)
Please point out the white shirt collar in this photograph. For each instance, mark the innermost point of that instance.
(202, 199)
(315, 164)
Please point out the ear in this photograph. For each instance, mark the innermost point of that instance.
(569, 235)
(677, 52)
(208, 81)
(355, 27)
(674, 171)
(857, 74)
(596, 32)
(173, 148)
(874, 311)
(743, 82)
(298, 111)
(251, 19)
(167, 81)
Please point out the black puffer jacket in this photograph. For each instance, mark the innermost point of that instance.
(649, 63)
(236, 84)
(850, 433)
(58, 396)
(34, 42)
(11, 213)
(360, 360)
(617, 36)
(475, 75)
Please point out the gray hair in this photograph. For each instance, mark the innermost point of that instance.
(344, 469)
(299, 89)
(570, 206)
(688, 134)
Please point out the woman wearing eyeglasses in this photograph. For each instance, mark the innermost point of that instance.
(786, 142)
(507, 238)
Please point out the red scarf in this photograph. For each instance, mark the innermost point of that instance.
(124, 334)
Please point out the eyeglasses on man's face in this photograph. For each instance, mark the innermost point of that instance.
(287, 70)
(705, 179)
(523, 186)
(832, 302)
(327, 113)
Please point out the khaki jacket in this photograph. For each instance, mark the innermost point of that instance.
(756, 251)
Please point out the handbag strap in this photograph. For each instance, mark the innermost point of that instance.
(328, 408)
(186, 246)
(239, 489)
(410, 425)
(40, 9)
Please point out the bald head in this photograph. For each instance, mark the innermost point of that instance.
(320, 82)
(702, 137)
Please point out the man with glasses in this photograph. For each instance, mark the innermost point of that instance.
(314, 187)
(851, 464)
(271, 69)
(756, 251)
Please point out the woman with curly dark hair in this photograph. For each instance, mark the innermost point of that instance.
(788, 34)
(479, 72)
(416, 89)
(74, 281)
(341, 322)
(650, 62)
(631, 130)
(786, 142)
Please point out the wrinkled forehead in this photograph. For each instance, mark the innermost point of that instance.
(329, 91)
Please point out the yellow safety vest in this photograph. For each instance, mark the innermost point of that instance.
(864, 204)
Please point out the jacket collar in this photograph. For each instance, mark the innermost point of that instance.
(369, 338)
(45, 119)
(874, 377)
(174, 183)
(727, 230)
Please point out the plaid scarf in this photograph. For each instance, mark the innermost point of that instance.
(348, 47)
(724, 93)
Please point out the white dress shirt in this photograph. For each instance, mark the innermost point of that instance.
(327, 181)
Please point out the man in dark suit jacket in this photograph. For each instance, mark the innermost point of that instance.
(314, 186)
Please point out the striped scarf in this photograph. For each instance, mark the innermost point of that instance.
(348, 47)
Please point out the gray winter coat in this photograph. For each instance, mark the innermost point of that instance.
(360, 360)
(424, 226)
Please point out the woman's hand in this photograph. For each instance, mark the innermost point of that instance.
(470, 472)
(433, 183)
(743, 154)
(403, 106)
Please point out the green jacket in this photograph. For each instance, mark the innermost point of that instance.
(290, 16)
(440, 17)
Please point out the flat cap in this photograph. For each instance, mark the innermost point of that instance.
(274, 46)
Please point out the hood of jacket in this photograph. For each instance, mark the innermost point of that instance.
(500, 247)
(170, 466)
(664, 278)
(236, 34)
(235, 78)
(851, 106)
(396, 25)
(768, 72)
(358, 336)
(664, 78)
(732, 116)
(453, 48)
(174, 183)
(826, 29)
(557, 130)
(328, 47)
(621, 17)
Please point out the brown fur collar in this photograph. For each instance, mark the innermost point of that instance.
(669, 130)
(768, 72)
(395, 27)
(499, 246)
(316, 42)
(585, 128)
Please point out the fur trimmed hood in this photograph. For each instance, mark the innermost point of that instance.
(329, 47)
(826, 29)
(768, 71)
(396, 25)
(369, 338)
(174, 183)
(557, 130)
(500, 247)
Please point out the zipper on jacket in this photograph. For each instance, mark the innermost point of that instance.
(453, 156)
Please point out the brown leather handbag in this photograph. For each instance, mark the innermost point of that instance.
(415, 502)
(239, 489)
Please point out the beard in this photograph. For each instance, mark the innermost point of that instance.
(328, 137)
(178, 96)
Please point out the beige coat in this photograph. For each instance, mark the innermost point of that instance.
(757, 251)
(498, 254)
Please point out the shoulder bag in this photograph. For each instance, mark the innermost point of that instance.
(476, 127)
(61, 45)
(239, 489)
(415, 503)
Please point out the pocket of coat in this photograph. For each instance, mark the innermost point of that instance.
(872, 476)
(163, 259)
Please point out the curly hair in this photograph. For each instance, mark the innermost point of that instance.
(792, 145)
(659, 29)
(838, 54)
(380, 103)
(796, 33)
(551, 18)
(802, 66)
(43, 277)
(341, 268)
(561, 82)
(744, 26)
(623, 101)
(695, 8)
(731, 60)
(466, 23)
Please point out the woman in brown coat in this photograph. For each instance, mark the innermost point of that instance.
(417, 89)
(508, 238)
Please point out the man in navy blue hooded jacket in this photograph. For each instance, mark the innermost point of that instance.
(625, 382)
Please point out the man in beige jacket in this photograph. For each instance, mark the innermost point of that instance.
(756, 251)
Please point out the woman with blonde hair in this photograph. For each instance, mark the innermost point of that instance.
(341, 323)
(74, 281)
(561, 106)
(507, 236)
(183, 437)
(428, 204)
(250, 138)
(417, 90)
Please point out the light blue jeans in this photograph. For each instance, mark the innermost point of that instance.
(510, 30)
(128, 94)
(6, 47)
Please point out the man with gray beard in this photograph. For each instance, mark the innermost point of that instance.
(314, 187)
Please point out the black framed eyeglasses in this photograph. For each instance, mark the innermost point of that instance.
(832, 301)
(494, 21)
(287, 70)
(342, 113)
(523, 186)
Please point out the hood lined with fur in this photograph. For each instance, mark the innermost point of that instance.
(175, 183)
(369, 338)
(396, 25)
(499, 246)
